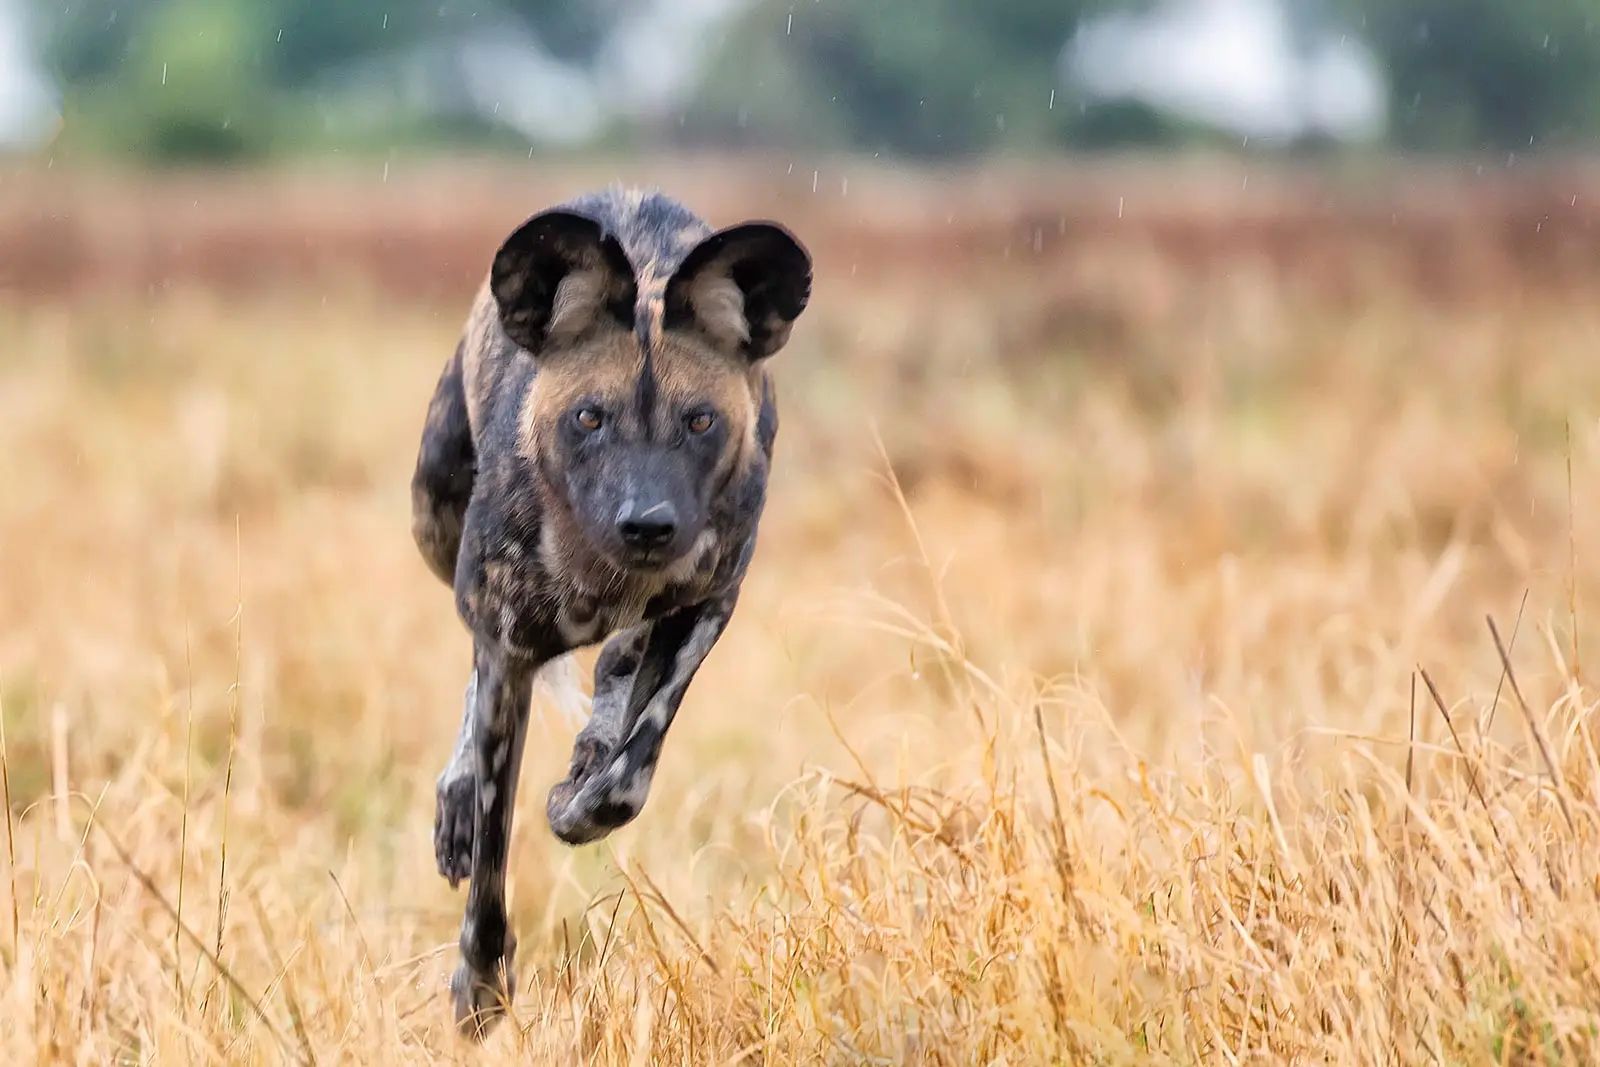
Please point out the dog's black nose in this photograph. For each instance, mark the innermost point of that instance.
(648, 526)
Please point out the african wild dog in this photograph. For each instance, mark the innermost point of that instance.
(594, 463)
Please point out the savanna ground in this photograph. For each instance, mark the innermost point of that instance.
(1073, 712)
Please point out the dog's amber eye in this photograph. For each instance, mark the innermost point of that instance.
(589, 419)
(700, 422)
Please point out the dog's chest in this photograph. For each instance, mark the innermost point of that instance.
(594, 604)
(586, 618)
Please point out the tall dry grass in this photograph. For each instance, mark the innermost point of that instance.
(1074, 711)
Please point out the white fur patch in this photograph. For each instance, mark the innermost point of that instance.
(576, 304)
(719, 305)
(558, 687)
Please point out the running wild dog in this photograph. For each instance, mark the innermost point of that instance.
(593, 468)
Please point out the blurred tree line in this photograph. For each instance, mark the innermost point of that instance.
(180, 79)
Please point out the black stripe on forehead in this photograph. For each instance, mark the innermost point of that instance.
(646, 390)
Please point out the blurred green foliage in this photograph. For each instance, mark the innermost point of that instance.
(1510, 75)
(919, 78)
(233, 79)
(183, 80)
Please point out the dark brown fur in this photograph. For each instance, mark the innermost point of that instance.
(594, 465)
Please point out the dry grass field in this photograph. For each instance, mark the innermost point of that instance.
(1074, 712)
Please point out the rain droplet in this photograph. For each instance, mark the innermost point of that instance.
(163, 74)
(1052, 100)
(788, 29)
(814, 176)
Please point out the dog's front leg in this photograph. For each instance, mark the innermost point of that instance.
(614, 673)
(501, 694)
(456, 796)
(614, 759)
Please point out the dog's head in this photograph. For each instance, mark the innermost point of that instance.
(649, 384)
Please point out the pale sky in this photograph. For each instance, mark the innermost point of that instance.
(1229, 63)
(28, 112)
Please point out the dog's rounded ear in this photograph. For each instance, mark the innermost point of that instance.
(558, 274)
(743, 287)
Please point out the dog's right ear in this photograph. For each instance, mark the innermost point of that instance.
(557, 275)
(743, 287)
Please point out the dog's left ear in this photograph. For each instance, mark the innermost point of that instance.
(558, 274)
(743, 288)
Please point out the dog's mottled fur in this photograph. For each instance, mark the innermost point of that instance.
(593, 465)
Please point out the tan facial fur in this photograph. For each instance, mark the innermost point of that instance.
(607, 366)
